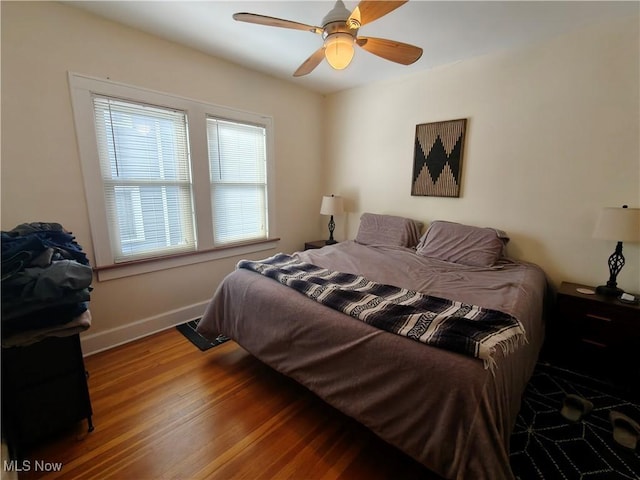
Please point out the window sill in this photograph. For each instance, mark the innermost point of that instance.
(139, 267)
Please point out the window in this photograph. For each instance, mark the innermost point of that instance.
(237, 164)
(144, 159)
(165, 176)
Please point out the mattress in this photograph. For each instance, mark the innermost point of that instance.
(440, 407)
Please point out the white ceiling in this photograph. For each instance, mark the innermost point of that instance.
(448, 31)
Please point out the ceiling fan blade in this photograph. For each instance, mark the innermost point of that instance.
(274, 22)
(310, 63)
(390, 49)
(369, 10)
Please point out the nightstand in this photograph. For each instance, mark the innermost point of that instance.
(596, 335)
(44, 391)
(315, 244)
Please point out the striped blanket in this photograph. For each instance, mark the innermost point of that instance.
(455, 326)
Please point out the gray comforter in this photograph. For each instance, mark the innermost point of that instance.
(442, 408)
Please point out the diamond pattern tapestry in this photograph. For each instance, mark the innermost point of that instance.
(437, 159)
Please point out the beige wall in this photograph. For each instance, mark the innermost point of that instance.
(41, 175)
(552, 136)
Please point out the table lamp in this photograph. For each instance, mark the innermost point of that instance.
(621, 225)
(331, 205)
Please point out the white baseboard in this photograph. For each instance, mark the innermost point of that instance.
(94, 343)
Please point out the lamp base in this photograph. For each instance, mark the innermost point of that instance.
(608, 291)
(331, 241)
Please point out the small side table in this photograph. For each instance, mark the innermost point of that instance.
(44, 391)
(315, 244)
(596, 335)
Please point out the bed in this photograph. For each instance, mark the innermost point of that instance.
(447, 410)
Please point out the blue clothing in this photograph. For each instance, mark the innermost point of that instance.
(48, 283)
(46, 277)
(51, 316)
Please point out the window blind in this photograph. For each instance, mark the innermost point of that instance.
(237, 161)
(144, 160)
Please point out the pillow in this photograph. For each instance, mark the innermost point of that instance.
(377, 229)
(464, 244)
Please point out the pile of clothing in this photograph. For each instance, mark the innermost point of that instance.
(46, 284)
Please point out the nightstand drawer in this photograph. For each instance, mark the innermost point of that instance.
(597, 311)
(596, 335)
(50, 358)
(589, 326)
(600, 323)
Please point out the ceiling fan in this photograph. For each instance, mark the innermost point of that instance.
(340, 32)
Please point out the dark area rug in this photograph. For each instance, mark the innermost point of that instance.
(546, 446)
(189, 330)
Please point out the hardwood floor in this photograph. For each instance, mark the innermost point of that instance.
(165, 410)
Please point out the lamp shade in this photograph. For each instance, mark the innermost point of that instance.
(339, 50)
(332, 205)
(619, 224)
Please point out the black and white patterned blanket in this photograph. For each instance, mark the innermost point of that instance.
(435, 321)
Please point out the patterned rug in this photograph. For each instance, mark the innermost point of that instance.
(546, 446)
(189, 330)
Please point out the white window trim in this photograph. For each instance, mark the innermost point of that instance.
(82, 88)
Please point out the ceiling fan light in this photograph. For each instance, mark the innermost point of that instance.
(339, 50)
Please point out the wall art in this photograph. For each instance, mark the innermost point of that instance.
(437, 158)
